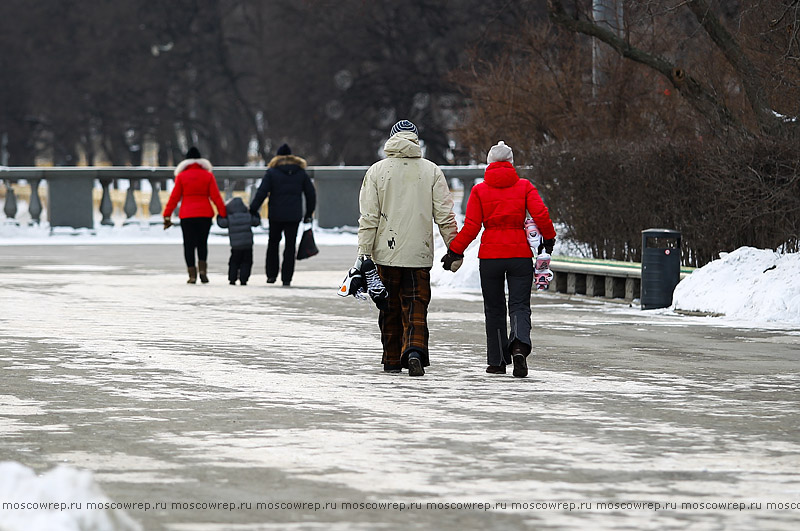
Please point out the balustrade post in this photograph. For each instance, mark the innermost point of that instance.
(467, 183)
(35, 206)
(154, 208)
(130, 204)
(106, 206)
(253, 190)
(10, 207)
(229, 184)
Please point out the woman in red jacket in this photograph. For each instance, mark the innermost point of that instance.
(195, 187)
(500, 203)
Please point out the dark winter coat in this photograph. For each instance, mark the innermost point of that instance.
(285, 183)
(499, 204)
(238, 222)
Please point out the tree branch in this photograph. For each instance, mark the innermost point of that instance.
(753, 88)
(695, 93)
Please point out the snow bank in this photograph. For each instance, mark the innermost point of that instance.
(467, 276)
(749, 284)
(20, 487)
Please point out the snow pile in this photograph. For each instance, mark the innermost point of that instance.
(468, 275)
(750, 284)
(24, 494)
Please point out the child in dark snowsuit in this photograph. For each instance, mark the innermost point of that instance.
(239, 222)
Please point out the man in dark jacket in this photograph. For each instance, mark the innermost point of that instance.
(285, 183)
(239, 222)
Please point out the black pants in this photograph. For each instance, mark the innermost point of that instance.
(240, 264)
(277, 229)
(494, 274)
(195, 237)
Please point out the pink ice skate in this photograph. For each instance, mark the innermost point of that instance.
(532, 233)
(541, 272)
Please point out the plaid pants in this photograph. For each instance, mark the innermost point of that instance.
(404, 325)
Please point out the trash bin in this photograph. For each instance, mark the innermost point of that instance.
(661, 267)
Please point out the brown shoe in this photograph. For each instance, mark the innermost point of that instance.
(192, 275)
(496, 369)
(202, 268)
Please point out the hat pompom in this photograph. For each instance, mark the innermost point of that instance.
(500, 153)
(193, 153)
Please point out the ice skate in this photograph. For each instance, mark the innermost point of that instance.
(541, 272)
(354, 284)
(532, 234)
(375, 288)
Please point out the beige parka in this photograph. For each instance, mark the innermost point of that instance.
(400, 199)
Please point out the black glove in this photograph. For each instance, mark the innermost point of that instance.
(449, 258)
(307, 219)
(167, 223)
(547, 245)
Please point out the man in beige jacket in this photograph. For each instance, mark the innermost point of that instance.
(401, 197)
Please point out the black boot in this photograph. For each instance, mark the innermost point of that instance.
(518, 354)
(415, 365)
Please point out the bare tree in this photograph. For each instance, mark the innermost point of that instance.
(692, 83)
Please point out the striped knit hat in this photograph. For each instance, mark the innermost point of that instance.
(403, 125)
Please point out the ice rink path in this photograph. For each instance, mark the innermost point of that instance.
(274, 399)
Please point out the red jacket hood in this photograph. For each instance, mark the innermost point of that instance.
(500, 175)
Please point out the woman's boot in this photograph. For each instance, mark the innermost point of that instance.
(192, 275)
(202, 268)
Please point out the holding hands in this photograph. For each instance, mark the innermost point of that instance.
(452, 261)
(167, 223)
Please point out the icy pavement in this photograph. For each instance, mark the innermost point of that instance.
(273, 399)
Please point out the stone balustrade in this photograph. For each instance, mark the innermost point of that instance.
(70, 204)
(70, 191)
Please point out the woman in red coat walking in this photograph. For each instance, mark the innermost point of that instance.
(500, 203)
(195, 187)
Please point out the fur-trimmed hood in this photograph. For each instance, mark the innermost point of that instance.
(286, 160)
(204, 163)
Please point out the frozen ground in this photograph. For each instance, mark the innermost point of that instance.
(168, 393)
(749, 287)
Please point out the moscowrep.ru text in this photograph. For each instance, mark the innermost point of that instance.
(306, 506)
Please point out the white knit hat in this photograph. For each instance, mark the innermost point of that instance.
(500, 153)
